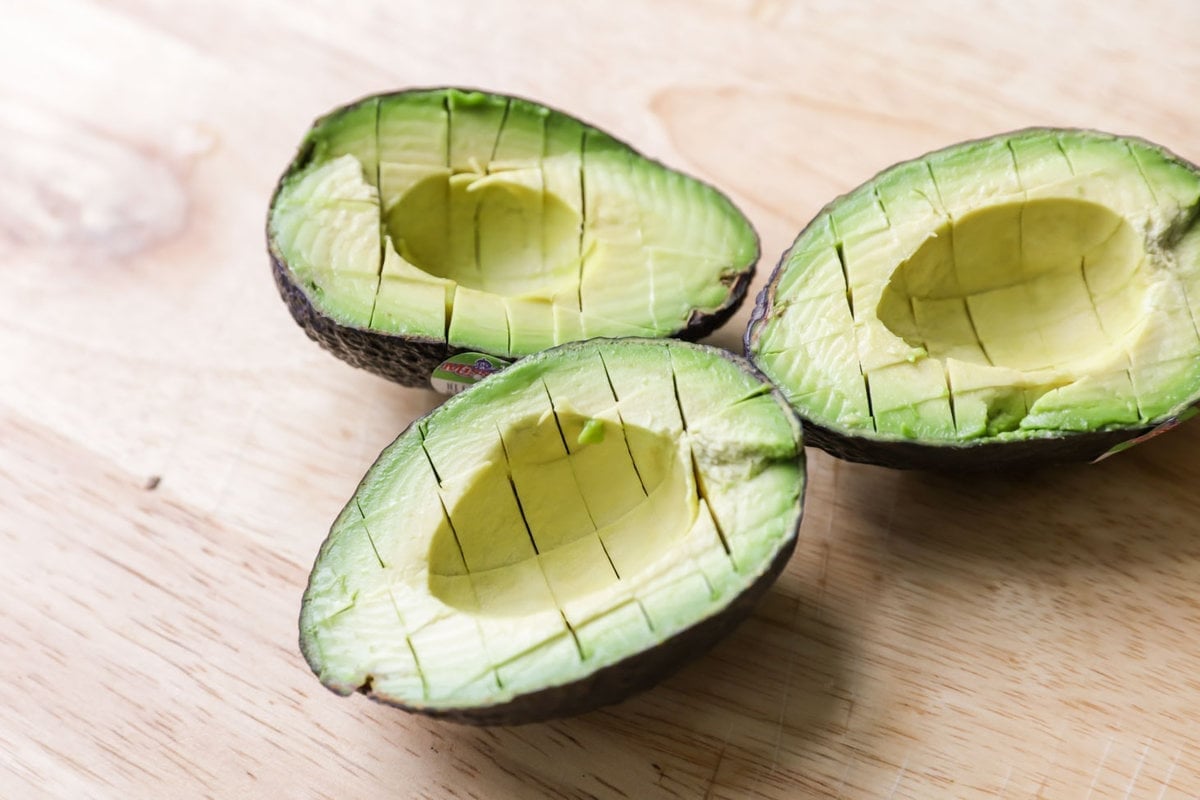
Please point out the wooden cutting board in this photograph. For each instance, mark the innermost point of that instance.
(172, 449)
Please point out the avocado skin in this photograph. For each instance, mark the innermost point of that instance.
(984, 457)
(700, 324)
(637, 673)
(1067, 448)
(409, 360)
(619, 681)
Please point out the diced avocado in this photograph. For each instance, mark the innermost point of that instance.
(479, 324)
(560, 534)
(1036, 289)
(410, 301)
(402, 292)
(508, 206)
(521, 144)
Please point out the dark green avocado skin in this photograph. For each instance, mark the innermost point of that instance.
(409, 361)
(406, 360)
(988, 456)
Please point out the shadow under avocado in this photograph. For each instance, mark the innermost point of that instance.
(1138, 504)
(777, 682)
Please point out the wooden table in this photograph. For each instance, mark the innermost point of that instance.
(174, 449)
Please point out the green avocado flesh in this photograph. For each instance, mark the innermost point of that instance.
(1036, 284)
(579, 508)
(495, 224)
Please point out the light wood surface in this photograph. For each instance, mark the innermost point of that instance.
(172, 448)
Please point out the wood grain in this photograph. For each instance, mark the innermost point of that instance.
(174, 449)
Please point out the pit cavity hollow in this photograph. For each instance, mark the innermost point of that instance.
(557, 512)
(1042, 284)
(500, 233)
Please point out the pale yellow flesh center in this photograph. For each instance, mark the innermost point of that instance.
(1038, 285)
(506, 222)
(589, 515)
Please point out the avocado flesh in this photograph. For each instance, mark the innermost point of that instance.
(571, 516)
(1034, 285)
(501, 226)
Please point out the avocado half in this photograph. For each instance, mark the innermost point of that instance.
(560, 535)
(417, 225)
(1031, 297)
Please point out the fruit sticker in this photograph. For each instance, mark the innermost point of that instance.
(458, 372)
